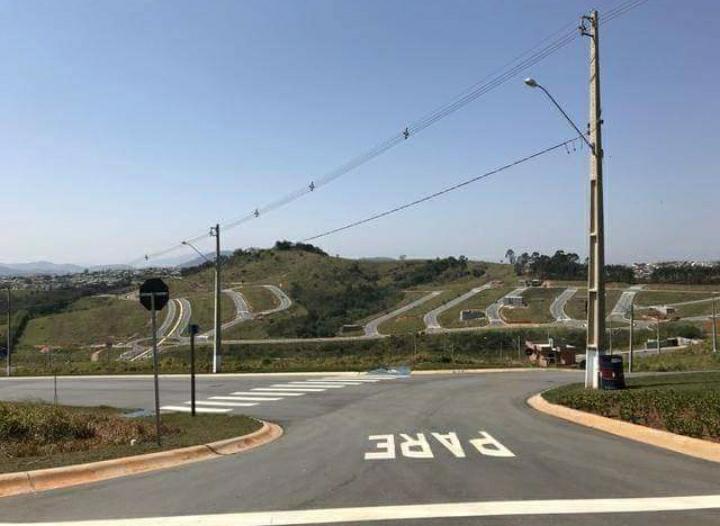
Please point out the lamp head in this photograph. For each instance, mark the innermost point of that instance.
(531, 82)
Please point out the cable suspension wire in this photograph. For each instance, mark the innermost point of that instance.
(446, 190)
(509, 70)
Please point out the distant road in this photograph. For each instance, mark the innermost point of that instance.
(371, 328)
(431, 318)
(493, 311)
(169, 319)
(242, 312)
(557, 308)
(622, 307)
(284, 299)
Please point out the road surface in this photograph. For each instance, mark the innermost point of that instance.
(622, 308)
(371, 328)
(284, 301)
(242, 312)
(493, 310)
(431, 318)
(352, 451)
(167, 323)
(557, 307)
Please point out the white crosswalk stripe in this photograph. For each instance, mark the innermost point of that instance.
(290, 389)
(187, 409)
(226, 404)
(246, 398)
(266, 392)
(314, 384)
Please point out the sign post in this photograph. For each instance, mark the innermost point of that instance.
(154, 295)
(194, 329)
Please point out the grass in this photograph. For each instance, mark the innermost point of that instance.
(668, 297)
(38, 435)
(203, 309)
(538, 301)
(695, 357)
(480, 301)
(259, 298)
(575, 307)
(687, 404)
(91, 320)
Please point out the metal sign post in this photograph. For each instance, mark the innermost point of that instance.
(154, 295)
(194, 329)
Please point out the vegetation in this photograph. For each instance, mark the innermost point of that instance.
(694, 358)
(489, 348)
(563, 265)
(687, 404)
(686, 273)
(38, 435)
(538, 301)
(451, 317)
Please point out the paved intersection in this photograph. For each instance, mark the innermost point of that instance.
(398, 449)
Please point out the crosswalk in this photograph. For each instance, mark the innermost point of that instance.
(290, 390)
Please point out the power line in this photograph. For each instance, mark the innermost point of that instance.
(500, 76)
(444, 190)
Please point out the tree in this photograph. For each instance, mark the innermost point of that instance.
(510, 256)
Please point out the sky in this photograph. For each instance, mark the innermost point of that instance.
(128, 126)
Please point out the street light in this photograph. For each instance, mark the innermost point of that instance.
(188, 244)
(531, 82)
(595, 347)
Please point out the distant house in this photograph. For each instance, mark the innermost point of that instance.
(513, 300)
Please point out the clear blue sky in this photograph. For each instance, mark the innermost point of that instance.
(127, 126)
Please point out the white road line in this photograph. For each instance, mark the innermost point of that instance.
(417, 511)
(224, 404)
(245, 398)
(265, 391)
(334, 382)
(283, 388)
(300, 384)
(187, 409)
(364, 380)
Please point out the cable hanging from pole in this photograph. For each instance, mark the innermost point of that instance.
(443, 191)
(498, 77)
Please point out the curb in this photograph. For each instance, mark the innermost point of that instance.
(25, 482)
(693, 447)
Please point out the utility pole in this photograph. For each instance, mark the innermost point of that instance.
(631, 355)
(658, 334)
(217, 346)
(714, 330)
(596, 263)
(9, 333)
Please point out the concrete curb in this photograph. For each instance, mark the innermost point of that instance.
(693, 447)
(45, 479)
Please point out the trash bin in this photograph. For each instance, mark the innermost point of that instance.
(611, 372)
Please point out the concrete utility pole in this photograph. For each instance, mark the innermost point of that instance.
(596, 264)
(9, 331)
(631, 355)
(714, 328)
(217, 347)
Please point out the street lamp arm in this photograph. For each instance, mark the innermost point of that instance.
(567, 117)
(186, 243)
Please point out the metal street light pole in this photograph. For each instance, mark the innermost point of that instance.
(714, 328)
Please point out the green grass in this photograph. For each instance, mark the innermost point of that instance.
(203, 309)
(258, 297)
(575, 307)
(538, 306)
(667, 297)
(91, 320)
(38, 435)
(687, 404)
(694, 358)
(480, 301)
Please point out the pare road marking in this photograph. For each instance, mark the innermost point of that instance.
(418, 445)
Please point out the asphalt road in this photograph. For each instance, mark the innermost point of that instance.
(431, 318)
(557, 307)
(493, 310)
(371, 327)
(483, 452)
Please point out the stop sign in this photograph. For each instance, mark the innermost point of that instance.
(157, 288)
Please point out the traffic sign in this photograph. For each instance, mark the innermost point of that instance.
(157, 288)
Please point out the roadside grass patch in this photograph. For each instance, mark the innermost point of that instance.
(37, 435)
(686, 404)
(693, 358)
